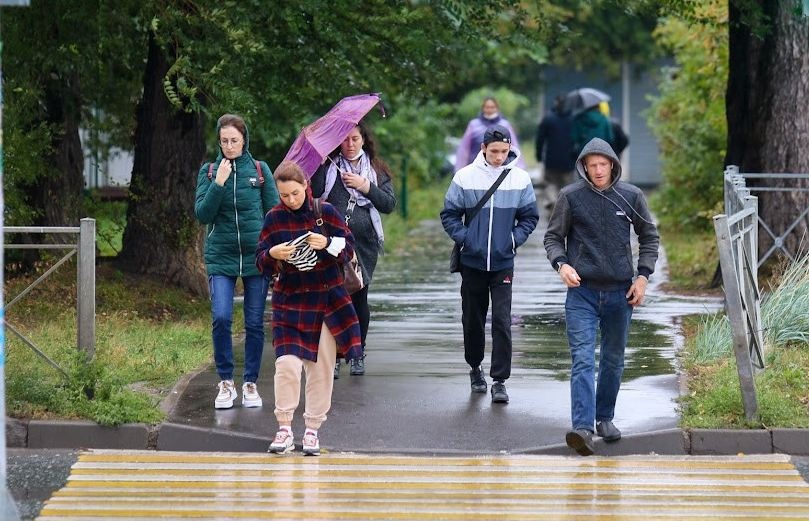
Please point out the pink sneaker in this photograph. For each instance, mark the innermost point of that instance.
(311, 444)
(282, 443)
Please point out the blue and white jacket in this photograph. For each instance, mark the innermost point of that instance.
(490, 241)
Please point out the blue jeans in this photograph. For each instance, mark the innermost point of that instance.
(255, 297)
(587, 310)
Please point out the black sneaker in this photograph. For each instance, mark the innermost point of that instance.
(608, 431)
(357, 367)
(499, 394)
(580, 440)
(337, 370)
(478, 380)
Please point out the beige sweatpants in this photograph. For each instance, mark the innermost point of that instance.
(319, 383)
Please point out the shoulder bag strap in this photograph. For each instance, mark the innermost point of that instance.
(486, 196)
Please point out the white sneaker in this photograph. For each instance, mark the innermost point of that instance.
(311, 444)
(227, 393)
(282, 443)
(250, 397)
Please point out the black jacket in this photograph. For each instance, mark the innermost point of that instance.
(590, 229)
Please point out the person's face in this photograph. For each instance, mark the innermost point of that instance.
(496, 152)
(231, 141)
(599, 170)
(489, 108)
(292, 193)
(352, 144)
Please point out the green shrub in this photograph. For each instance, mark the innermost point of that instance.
(688, 119)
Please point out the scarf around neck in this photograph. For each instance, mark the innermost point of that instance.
(365, 170)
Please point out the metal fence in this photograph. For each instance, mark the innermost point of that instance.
(86, 280)
(778, 237)
(737, 241)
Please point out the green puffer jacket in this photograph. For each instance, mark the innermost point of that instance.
(234, 214)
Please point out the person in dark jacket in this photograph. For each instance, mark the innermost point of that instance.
(233, 193)
(554, 148)
(312, 316)
(589, 124)
(588, 243)
(359, 184)
(488, 246)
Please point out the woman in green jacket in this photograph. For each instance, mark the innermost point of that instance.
(233, 194)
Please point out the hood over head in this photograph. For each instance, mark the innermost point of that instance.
(602, 148)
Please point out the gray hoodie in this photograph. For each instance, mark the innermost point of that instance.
(590, 228)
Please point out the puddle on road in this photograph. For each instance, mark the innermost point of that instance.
(544, 346)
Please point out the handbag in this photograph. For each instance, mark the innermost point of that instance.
(455, 255)
(352, 272)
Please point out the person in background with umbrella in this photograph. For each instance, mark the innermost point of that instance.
(472, 138)
(312, 315)
(233, 194)
(359, 184)
(588, 121)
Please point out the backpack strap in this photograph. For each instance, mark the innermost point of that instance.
(316, 207)
(258, 170)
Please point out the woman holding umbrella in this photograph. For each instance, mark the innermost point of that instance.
(312, 315)
(358, 183)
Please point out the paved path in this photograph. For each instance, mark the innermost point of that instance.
(415, 395)
(146, 485)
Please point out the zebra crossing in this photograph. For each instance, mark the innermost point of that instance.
(141, 485)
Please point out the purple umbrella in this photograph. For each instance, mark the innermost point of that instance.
(318, 139)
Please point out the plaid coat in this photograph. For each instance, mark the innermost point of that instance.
(303, 300)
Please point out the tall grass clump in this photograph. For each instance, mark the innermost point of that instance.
(784, 317)
(785, 311)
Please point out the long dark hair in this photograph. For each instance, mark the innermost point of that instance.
(369, 146)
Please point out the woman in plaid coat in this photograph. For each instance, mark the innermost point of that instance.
(312, 315)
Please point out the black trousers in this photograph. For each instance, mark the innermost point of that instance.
(476, 288)
(360, 301)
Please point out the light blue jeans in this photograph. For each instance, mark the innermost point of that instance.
(255, 297)
(586, 311)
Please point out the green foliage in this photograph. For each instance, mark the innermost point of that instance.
(110, 219)
(691, 258)
(147, 336)
(714, 398)
(413, 136)
(602, 33)
(688, 119)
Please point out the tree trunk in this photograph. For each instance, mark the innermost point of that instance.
(162, 237)
(768, 124)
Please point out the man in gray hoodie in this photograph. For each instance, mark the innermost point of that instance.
(588, 243)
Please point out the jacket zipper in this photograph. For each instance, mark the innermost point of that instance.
(489, 237)
(236, 213)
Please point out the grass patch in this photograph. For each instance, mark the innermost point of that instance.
(422, 203)
(714, 396)
(147, 336)
(692, 259)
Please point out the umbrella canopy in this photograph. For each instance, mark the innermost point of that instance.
(318, 139)
(579, 100)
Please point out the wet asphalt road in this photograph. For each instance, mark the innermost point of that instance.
(415, 394)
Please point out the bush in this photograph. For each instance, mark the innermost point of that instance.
(688, 119)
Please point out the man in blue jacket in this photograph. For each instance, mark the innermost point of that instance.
(489, 243)
(588, 243)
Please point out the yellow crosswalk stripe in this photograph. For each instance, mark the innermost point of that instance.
(155, 485)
